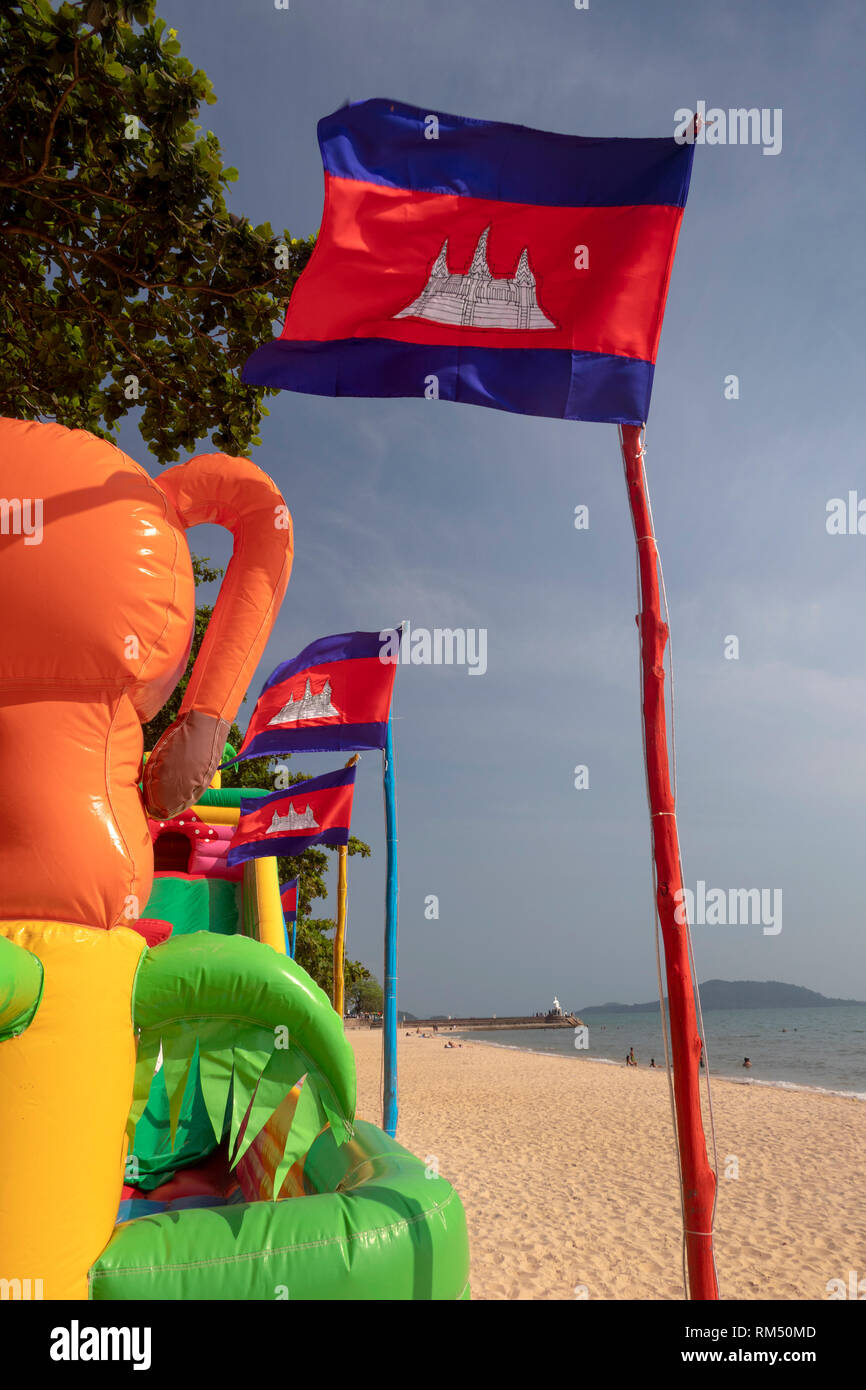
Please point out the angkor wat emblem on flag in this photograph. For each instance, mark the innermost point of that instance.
(293, 820)
(310, 706)
(479, 299)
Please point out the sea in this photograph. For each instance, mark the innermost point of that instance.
(820, 1049)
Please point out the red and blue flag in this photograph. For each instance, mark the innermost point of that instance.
(289, 899)
(485, 263)
(334, 696)
(317, 811)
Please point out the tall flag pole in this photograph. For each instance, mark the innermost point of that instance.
(340, 932)
(389, 1020)
(499, 266)
(698, 1178)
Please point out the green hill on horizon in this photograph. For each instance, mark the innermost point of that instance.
(738, 994)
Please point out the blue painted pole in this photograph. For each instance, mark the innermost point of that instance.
(294, 930)
(389, 1029)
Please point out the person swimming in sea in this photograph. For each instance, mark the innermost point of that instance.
(747, 1061)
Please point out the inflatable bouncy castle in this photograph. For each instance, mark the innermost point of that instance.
(177, 1096)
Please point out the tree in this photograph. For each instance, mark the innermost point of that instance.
(313, 949)
(125, 282)
(366, 996)
(127, 285)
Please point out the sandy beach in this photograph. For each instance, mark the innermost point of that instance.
(567, 1172)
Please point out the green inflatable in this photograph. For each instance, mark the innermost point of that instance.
(257, 1076)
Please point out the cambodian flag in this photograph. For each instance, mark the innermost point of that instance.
(317, 811)
(289, 900)
(492, 264)
(334, 696)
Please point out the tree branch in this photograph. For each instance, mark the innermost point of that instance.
(151, 375)
(52, 124)
(120, 270)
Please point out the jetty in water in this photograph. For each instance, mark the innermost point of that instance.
(461, 1025)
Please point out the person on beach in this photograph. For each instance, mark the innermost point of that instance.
(631, 1060)
(652, 1061)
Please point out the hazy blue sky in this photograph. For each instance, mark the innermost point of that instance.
(459, 517)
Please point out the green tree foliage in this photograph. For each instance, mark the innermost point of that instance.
(314, 950)
(366, 996)
(125, 282)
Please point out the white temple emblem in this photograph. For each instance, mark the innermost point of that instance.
(293, 820)
(479, 299)
(309, 706)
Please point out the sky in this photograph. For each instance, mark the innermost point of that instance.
(452, 516)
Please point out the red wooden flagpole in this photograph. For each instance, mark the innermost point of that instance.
(696, 1175)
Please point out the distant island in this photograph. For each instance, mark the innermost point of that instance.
(738, 994)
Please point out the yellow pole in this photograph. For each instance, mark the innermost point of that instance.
(340, 933)
(263, 911)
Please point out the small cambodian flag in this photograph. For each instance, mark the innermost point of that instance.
(289, 900)
(317, 811)
(334, 696)
(492, 264)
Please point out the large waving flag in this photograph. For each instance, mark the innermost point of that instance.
(334, 696)
(491, 264)
(317, 811)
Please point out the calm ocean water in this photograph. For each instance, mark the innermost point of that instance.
(821, 1049)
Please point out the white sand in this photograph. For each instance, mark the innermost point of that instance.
(566, 1169)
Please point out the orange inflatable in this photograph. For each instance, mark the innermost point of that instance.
(99, 606)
